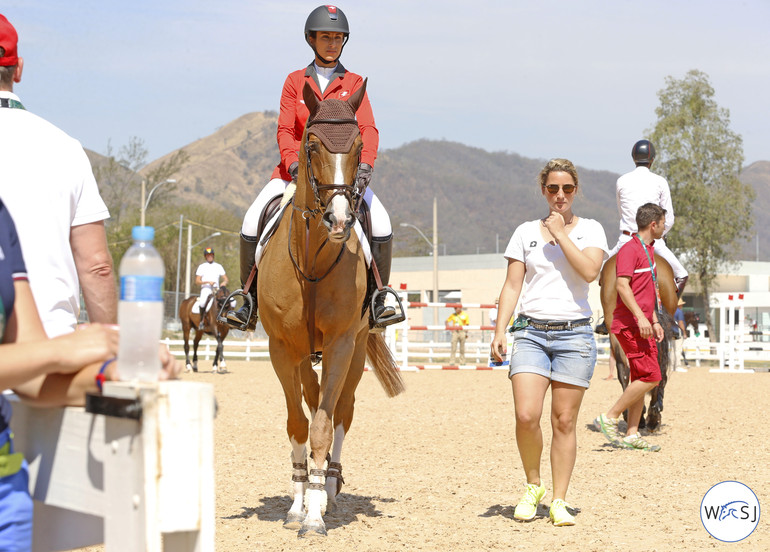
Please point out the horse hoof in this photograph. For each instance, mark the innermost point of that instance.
(293, 521)
(312, 530)
(188, 369)
(331, 506)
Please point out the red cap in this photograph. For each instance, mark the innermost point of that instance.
(8, 40)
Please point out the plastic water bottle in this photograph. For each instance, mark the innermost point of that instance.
(140, 310)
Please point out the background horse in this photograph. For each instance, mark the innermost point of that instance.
(191, 320)
(669, 299)
(312, 285)
(691, 319)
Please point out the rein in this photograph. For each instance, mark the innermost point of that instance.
(307, 213)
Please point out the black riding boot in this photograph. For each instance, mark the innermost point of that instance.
(237, 319)
(680, 283)
(382, 252)
(202, 323)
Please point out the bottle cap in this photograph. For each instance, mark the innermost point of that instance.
(143, 233)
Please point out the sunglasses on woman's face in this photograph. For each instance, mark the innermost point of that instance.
(553, 189)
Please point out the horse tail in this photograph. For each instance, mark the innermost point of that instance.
(664, 357)
(384, 364)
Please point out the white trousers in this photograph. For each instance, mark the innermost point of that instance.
(206, 291)
(381, 227)
(661, 249)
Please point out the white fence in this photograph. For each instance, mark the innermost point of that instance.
(142, 482)
(412, 354)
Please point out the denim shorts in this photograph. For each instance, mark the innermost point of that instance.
(566, 356)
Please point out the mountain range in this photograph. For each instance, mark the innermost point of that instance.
(481, 196)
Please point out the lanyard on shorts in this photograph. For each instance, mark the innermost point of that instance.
(11, 103)
(658, 304)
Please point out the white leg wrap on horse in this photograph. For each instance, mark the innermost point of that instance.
(315, 498)
(298, 487)
(331, 480)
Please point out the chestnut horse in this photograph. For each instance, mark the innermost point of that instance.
(312, 286)
(669, 299)
(191, 320)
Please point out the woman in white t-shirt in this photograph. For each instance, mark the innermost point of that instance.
(557, 257)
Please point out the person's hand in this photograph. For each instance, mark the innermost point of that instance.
(363, 178)
(499, 347)
(554, 222)
(645, 328)
(293, 170)
(89, 344)
(658, 330)
(170, 368)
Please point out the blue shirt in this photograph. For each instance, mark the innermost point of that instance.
(11, 269)
(678, 317)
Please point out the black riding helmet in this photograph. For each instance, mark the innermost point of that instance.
(208, 251)
(329, 19)
(643, 152)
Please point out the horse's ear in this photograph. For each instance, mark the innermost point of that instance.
(358, 96)
(311, 100)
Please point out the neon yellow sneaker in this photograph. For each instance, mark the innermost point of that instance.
(527, 506)
(559, 514)
(608, 426)
(637, 442)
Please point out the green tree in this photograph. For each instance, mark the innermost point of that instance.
(701, 157)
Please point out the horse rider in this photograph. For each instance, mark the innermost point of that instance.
(207, 277)
(641, 186)
(326, 32)
(633, 190)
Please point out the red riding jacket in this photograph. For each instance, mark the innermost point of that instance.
(291, 120)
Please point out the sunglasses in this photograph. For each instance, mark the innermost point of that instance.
(566, 188)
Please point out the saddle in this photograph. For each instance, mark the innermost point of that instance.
(364, 216)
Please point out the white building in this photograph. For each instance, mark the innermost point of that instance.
(479, 278)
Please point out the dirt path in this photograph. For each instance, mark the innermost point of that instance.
(437, 468)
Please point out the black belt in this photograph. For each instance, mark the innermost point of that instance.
(568, 325)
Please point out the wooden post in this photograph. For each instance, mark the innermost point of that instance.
(132, 484)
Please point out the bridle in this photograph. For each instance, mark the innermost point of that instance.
(345, 190)
(339, 189)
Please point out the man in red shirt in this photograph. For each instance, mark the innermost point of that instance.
(635, 325)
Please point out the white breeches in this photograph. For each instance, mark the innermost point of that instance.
(661, 249)
(381, 227)
(205, 293)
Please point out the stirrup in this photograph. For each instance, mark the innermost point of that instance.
(221, 318)
(380, 323)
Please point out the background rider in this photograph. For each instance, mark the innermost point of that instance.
(207, 277)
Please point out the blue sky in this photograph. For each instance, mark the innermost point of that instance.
(539, 78)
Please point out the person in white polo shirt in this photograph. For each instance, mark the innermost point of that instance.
(207, 277)
(641, 186)
(48, 185)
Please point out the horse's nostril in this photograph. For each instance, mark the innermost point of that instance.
(328, 218)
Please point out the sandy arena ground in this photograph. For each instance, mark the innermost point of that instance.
(437, 468)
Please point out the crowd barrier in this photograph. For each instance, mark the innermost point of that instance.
(476, 349)
(424, 347)
(134, 469)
